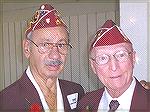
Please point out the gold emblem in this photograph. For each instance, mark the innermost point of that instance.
(58, 22)
(35, 17)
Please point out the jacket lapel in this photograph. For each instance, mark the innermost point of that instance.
(69, 94)
(28, 93)
(65, 91)
(96, 100)
(91, 101)
(139, 99)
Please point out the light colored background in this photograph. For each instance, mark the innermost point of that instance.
(134, 22)
(82, 17)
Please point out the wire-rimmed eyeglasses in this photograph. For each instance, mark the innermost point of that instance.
(120, 56)
(46, 47)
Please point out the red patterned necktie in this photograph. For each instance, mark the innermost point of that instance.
(114, 104)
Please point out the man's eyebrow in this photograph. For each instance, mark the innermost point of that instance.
(48, 40)
(45, 40)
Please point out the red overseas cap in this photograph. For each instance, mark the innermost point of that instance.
(46, 16)
(109, 34)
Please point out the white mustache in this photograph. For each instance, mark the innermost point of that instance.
(53, 62)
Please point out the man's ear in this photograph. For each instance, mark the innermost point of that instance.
(26, 48)
(92, 65)
(135, 57)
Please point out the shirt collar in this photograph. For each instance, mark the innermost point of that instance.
(60, 105)
(124, 103)
(131, 87)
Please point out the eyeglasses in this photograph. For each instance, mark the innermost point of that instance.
(46, 47)
(120, 56)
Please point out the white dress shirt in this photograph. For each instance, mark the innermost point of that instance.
(124, 100)
(60, 104)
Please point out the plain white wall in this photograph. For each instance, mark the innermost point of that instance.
(134, 22)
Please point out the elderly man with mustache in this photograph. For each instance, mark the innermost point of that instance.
(39, 89)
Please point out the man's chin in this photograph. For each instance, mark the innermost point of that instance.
(53, 71)
(52, 74)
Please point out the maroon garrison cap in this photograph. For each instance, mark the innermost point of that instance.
(109, 34)
(46, 16)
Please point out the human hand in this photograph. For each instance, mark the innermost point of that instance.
(145, 84)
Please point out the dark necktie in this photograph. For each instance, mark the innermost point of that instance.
(114, 104)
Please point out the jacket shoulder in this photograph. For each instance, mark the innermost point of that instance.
(91, 100)
(89, 95)
(10, 96)
(70, 84)
(10, 90)
(141, 98)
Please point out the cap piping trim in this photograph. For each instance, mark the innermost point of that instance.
(108, 29)
(42, 18)
(122, 33)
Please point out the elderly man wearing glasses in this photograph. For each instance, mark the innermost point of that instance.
(39, 89)
(112, 59)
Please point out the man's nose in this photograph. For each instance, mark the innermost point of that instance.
(113, 63)
(54, 53)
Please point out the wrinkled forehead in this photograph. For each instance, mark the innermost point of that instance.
(110, 49)
(51, 34)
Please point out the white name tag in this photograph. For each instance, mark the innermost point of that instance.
(72, 99)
